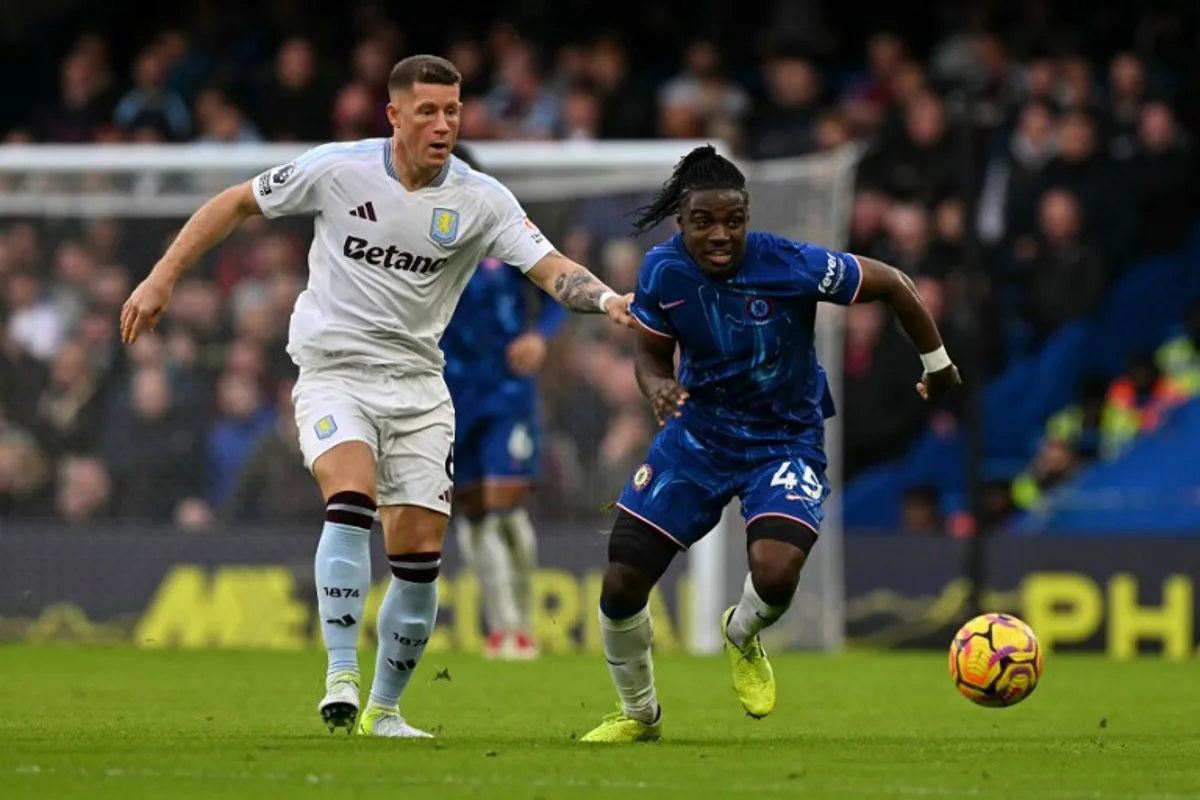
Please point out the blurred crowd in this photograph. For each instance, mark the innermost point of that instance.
(1067, 162)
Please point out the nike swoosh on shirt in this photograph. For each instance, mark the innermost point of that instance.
(672, 304)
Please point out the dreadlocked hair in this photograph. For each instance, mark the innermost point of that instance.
(703, 168)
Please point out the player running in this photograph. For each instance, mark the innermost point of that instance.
(400, 227)
(745, 417)
(493, 349)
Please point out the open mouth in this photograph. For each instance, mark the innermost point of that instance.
(440, 147)
(719, 257)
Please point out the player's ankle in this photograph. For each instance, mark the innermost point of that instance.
(648, 714)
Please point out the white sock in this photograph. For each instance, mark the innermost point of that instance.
(751, 615)
(627, 651)
(493, 570)
(342, 572)
(406, 619)
(522, 544)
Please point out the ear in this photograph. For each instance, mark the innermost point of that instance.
(393, 115)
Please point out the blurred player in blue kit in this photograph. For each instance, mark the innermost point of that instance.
(744, 417)
(493, 350)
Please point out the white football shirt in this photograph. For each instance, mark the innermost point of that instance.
(387, 266)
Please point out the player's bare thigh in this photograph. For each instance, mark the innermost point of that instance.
(412, 529)
(346, 467)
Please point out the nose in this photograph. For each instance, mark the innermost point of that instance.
(718, 234)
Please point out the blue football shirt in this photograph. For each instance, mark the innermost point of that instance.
(494, 310)
(747, 342)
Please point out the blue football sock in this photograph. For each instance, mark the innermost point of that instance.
(343, 576)
(406, 620)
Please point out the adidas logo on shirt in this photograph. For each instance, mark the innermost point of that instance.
(365, 211)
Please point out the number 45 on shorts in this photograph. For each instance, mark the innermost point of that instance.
(807, 480)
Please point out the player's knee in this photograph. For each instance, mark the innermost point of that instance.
(469, 503)
(625, 591)
(638, 556)
(777, 549)
(505, 497)
(411, 529)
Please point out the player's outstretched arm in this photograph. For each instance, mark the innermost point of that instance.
(577, 289)
(211, 223)
(890, 285)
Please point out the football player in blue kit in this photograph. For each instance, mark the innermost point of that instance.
(493, 348)
(744, 417)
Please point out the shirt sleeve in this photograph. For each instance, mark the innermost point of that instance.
(647, 308)
(515, 240)
(292, 188)
(829, 275)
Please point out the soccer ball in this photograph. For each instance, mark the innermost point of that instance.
(995, 660)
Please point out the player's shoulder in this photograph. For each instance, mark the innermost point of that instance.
(361, 151)
(777, 250)
(462, 176)
(665, 255)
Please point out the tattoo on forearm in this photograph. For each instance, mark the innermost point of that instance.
(579, 291)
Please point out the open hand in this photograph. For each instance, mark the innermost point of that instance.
(144, 308)
(667, 400)
(935, 386)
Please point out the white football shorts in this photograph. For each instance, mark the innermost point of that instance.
(407, 420)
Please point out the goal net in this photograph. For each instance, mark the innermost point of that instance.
(132, 199)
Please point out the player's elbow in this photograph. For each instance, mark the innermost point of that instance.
(240, 199)
(889, 285)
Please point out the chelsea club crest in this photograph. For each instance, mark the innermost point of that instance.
(641, 478)
(759, 308)
(443, 229)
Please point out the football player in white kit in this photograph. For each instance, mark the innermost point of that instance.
(400, 225)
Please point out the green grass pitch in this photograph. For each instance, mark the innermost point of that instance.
(81, 722)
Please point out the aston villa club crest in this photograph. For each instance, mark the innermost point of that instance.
(759, 308)
(444, 227)
(642, 477)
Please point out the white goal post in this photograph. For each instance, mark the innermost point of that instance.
(805, 198)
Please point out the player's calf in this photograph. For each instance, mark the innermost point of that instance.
(412, 537)
(638, 557)
(777, 549)
(342, 572)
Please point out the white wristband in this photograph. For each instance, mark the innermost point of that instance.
(604, 299)
(936, 361)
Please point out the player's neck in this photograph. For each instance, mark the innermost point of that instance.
(412, 177)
